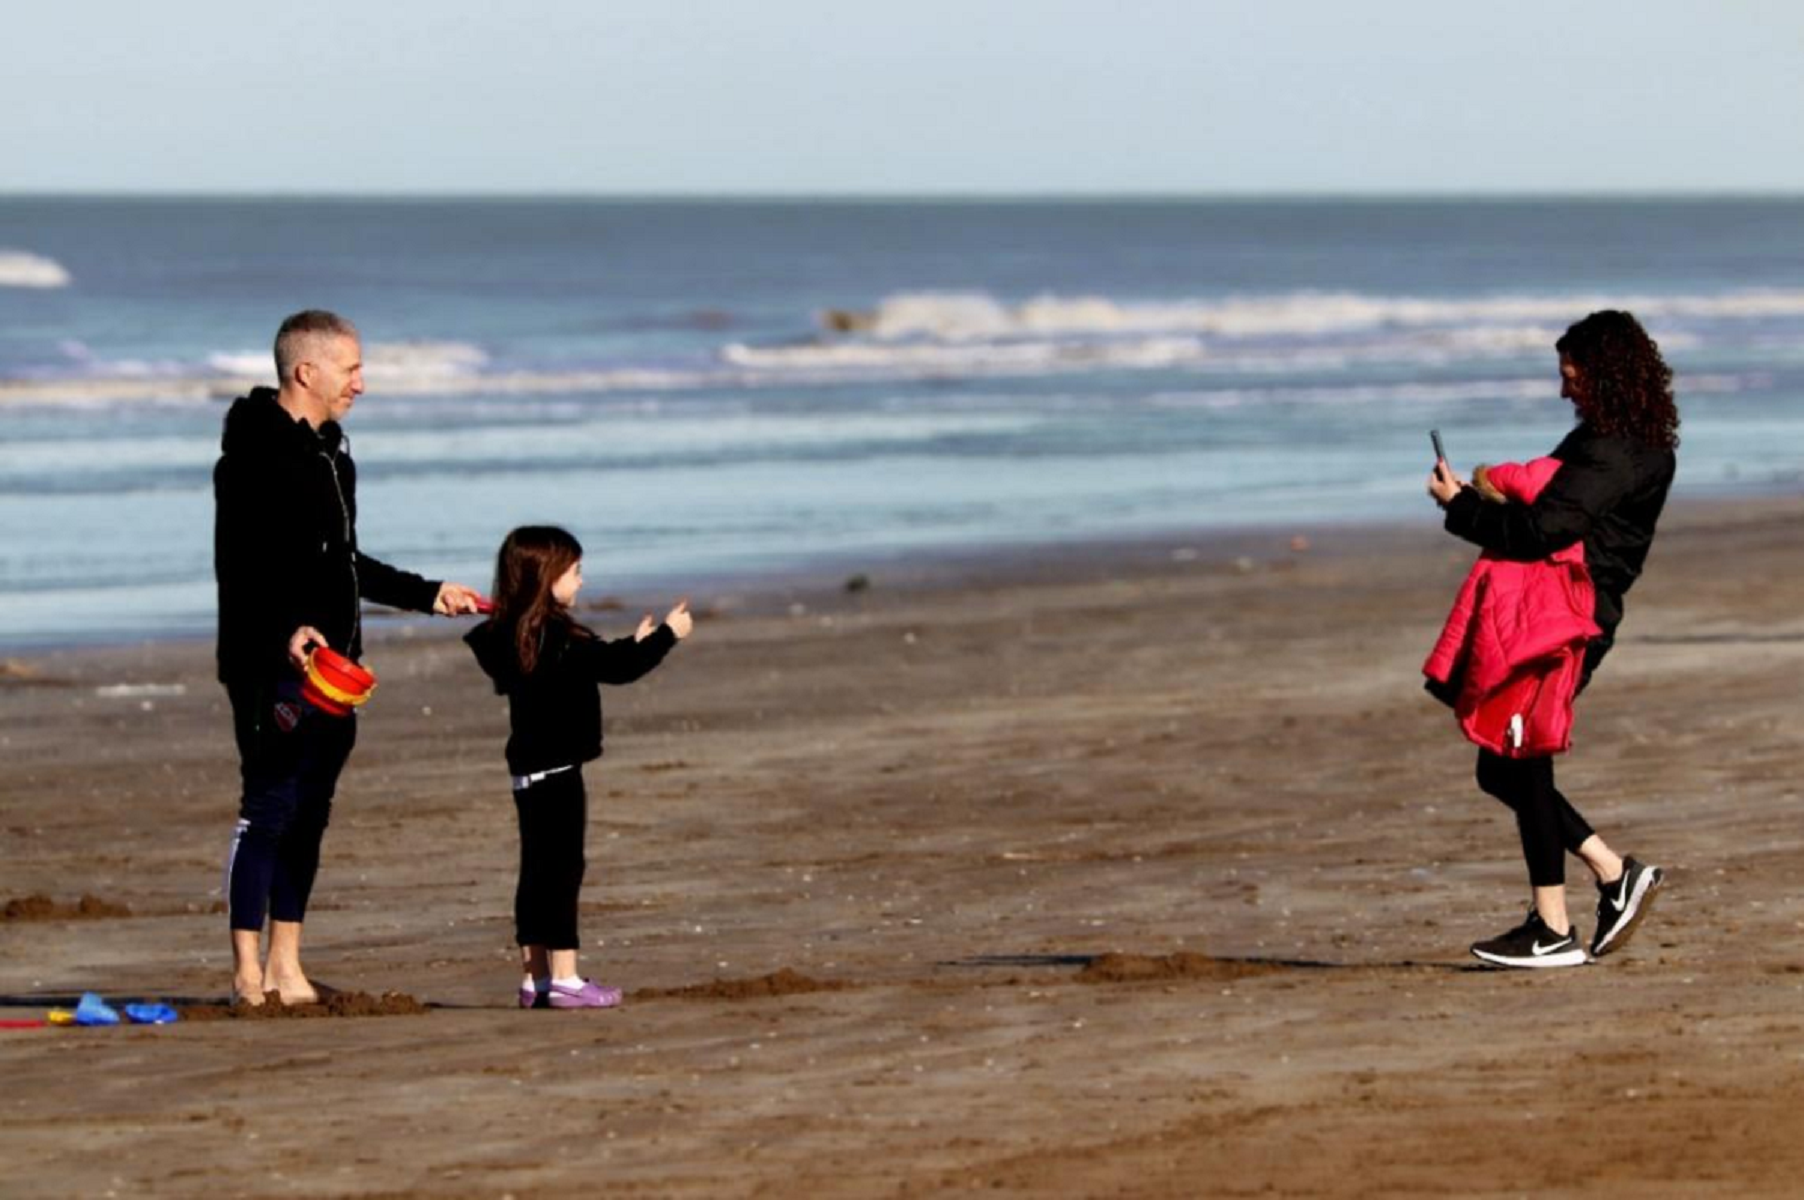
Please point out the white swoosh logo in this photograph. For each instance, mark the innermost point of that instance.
(1621, 900)
(1540, 949)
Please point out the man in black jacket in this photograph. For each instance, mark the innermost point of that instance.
(290, 574)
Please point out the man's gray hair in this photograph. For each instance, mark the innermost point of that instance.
(300, 333)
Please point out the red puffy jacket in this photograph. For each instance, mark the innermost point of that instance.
(1513, 648)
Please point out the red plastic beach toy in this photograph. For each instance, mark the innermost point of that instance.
(334, 684)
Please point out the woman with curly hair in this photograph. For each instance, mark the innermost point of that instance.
(1614, 471)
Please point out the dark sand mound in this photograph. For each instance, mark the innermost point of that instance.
(39, 907)
(339, 1004)
(784, 982)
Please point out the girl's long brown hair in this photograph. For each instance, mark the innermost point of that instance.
(532, 559)
(1628, 386)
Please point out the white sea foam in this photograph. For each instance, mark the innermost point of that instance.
(950, 316)
(1041, 356)
(966, 317)
(1019, 356)
(391, 366)
(926, 335)
(1371, 393)
(626, 439)
(120, 383)
(21, 269)
(242, 364)
(406, 364)
(1437, 393)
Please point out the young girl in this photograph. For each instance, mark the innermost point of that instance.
(548, 667)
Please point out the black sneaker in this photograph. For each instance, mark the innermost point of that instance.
(1621, 905)
(1533, 944)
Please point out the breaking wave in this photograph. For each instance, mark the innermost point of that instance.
(976, 316)
(394, 366)
(24, 270)
(916, 336)
(1392, 394)
(929, 358)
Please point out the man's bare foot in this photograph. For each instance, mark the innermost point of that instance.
(297, 989)
(249, 994)
(292, 993)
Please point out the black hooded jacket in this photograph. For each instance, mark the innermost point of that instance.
(554, 714)
(1608, 493)
(285, 541)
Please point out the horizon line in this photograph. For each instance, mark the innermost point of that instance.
(920, 197)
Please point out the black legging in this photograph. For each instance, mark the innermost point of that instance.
(554, 815)
(1548, 823)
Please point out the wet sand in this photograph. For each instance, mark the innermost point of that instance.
(1138, 872)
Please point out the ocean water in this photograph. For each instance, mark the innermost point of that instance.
(707, 390)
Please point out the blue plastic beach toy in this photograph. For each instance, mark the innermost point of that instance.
(150, 1014)
(94, 1011)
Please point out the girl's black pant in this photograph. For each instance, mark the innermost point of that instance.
(554, 818)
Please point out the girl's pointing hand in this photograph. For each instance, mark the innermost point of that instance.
(679, 620)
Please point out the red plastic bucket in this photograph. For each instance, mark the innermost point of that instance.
(334, 684)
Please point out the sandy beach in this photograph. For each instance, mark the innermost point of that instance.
(1144, 871)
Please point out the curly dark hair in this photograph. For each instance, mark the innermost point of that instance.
(1627, 385)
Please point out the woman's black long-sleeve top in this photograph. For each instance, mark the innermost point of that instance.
(1608, 493)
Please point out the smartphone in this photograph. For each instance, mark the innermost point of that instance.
(1440, 451)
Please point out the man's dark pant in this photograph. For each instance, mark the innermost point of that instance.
(289, 755)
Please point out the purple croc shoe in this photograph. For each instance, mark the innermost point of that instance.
(589, 995)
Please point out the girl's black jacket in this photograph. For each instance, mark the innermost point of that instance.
(554, 714)
(285, 541)
(1608, 493)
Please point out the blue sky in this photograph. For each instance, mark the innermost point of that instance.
(925, 97)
